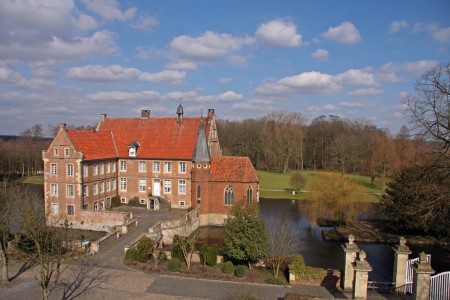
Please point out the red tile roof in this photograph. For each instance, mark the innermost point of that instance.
(158, 137)
(94, 145)
(232, 169)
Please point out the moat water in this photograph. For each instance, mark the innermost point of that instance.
(320, 253)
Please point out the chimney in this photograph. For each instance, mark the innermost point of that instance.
(62, 126)
(145, 113)
(102, 117)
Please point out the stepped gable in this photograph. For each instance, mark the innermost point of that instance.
(93, 145)
(232, 169)
(158, 137)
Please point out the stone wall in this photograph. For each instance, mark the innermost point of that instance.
(99, 220)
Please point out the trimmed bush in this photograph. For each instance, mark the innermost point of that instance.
(144, 249)
(228, 267)
(174, 265)
(176, 249)
(275, 281)
(131, 254)
(162, 256)
(302, 271)
(240, 271)
(208, 255)
(133, 202)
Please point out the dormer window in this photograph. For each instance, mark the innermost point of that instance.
(133, 149)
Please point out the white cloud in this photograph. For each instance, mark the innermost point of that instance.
(121, 96)
(356, 104)
(110, 9)
(9, 76)
(304, 83)
(146, 23)
(398, 25)
(228, 96)
(224, 80)
(365, 92)
(345, 33)
(397, 72)
(85, 22)
(442, 35)
(185, 96)
(357, 78)
(208, 47)
(166, 77)
(316, 108)
(279, 33)
(100, 73)
(320, 54)
(182, 65)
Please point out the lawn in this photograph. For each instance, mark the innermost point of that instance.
(276, 185)
(34, 179)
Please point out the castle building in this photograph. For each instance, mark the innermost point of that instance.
(174, 160)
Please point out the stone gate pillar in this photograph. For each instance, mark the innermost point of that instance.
(400, 264)
(421, 282)
(362, 269)
(350, 250)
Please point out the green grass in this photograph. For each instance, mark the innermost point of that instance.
(34, 179)
(276, 185)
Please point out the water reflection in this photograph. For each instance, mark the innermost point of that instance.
(320, 253)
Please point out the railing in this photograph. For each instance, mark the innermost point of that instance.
(410, 272)
(440, 286)
(380, 287)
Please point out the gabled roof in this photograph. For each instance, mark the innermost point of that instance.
(94, 145)
(157, 137)
(232, 169)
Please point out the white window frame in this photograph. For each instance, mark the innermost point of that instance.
(54, 208)
(55, 152)
(142, 166)
(156, 166)
(53, 189)
(70, 190)
(85, 170)
(182, 187)
(108, 167)
(142, 185)
(95, 205)
(102, 187)
(70, 170)
(108, 185)
(167, 167)
(66, 152)
(95, 188)
(123, 166)
(167, 186)
(102, 204)
(182, 167)
(123, 183)
(72, 211)
(113, 184)
(102, 169)
(123, 200)
(95, 168)
(113, 166)
(85, 190)
(181, 203)
(53, 169)
(108, 202)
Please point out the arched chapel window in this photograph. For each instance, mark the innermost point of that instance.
(249, 194)
(229, 195)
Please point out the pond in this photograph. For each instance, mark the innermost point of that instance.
(320, 253)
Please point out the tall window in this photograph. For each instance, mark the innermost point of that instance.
(54, 189)
(167, 186)
(85, 190)
(167, 167)
(199, 195)
(156, 166)
(229, 195)
(182, 187)
(123, 184)
(69, 190)
(123, 165)
(95, 168)
(95, 205)
(182, 167)
(108, 185)
(102, 168)
(95, 188)
(85, 170)
(249, 194)
(113, 184)
(53, 169)
(69, 170)
(113, 166)
(142, 166)
(55, 152)
(102, 187)
(66, 152)
(108, 167)
(54, 208)
(70, 210)
(142, 185)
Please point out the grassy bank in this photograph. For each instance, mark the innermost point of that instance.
(33, 179)
(276, 185)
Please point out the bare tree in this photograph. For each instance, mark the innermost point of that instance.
(187, 245)
(7, 214)
(429, 110)
(283, 239)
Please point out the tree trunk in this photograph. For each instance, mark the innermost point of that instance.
(4, 259)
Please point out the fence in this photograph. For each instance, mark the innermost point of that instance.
(410, 272)
(440, 286)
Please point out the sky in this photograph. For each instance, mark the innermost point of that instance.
(67, 61)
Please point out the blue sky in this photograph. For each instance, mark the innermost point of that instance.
(69, 61)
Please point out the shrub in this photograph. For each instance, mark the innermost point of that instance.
(131, 254)
(228, 267)
(162, 256)
(302, 271)
(144, 249)
(208, 255)
(174, 265)
(115, 201)
(275, 281)
(176, 251)
(133, 202)
(240, 271)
